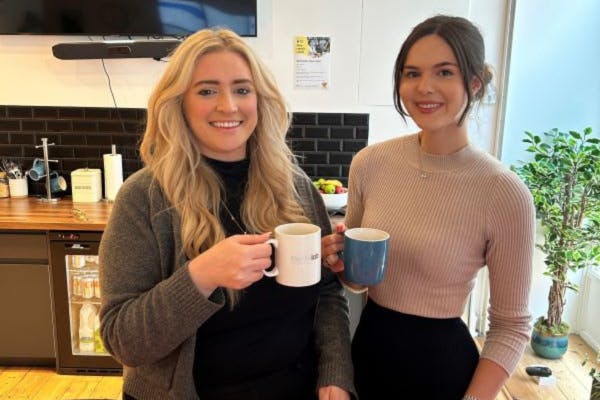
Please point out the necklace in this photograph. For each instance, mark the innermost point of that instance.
(422, 173)
(235, 221)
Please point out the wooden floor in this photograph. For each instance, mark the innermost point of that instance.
(573, 382)
(25, 383)
(572, 379)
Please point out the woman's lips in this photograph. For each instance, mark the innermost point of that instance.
(226, 124)
(428, 107)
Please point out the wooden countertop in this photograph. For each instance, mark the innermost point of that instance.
(31, 213)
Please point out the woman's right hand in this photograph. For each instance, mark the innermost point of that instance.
(235, 262)
(331, 245)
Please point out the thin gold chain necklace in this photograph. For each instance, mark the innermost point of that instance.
(422, 173)
(235, 221)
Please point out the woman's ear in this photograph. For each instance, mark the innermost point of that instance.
(475, 86)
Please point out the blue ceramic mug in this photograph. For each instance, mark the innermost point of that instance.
(38, 169)
(365, 255)
(57, 183)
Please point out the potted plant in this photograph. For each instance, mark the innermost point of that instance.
(564, 179)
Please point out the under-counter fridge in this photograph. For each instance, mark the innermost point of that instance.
(76, 294)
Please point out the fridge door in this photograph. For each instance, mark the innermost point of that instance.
(76, 298)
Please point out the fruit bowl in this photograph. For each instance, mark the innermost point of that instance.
(334, 202)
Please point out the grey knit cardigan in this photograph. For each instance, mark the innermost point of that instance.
(151, 310)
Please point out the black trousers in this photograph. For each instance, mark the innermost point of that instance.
(401, 356)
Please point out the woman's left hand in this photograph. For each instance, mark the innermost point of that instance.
(333, 393)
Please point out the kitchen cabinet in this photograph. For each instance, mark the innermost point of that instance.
(26, 323)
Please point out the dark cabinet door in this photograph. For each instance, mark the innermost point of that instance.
(26, 323)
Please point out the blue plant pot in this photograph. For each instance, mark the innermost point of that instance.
(551, 347)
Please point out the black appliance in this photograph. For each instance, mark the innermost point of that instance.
(125, 17)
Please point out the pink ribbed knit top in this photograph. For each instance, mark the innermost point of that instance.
(470, 211)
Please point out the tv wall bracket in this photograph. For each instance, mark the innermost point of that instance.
(156, 49)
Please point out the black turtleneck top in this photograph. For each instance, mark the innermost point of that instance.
(269, 330)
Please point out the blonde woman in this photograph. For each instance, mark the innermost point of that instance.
(186, 307)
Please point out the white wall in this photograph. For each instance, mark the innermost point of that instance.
(589, 327)
(30, 75)
(553, 83)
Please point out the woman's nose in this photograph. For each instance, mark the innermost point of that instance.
(425, 84)
(226, 103)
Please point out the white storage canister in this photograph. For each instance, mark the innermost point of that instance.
(86, 184)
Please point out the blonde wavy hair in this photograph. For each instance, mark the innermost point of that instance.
(171, 151)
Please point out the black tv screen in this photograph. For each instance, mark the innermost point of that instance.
(125, 17)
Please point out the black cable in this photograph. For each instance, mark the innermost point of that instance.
(112, 94)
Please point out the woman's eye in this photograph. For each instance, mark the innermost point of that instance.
(411, 74)
(446, 72)
(243, 91)
(206, 92)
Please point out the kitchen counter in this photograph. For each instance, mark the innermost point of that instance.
(31, 213)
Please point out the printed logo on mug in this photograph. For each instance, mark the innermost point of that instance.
(297, 248)
(365, 255)
(38, 170)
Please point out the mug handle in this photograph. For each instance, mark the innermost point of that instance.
(274, 271)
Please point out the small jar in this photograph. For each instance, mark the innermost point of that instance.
(4, 191)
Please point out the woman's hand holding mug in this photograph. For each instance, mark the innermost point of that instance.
(235, 262)
(331, 245)
(365, 259)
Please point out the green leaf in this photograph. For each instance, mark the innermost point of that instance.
(575, 135)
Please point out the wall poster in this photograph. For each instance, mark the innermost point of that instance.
(312, 62)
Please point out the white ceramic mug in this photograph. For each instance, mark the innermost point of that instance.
(297, 248)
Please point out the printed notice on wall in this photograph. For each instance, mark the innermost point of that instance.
(312, 62)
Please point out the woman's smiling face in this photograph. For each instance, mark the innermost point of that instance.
(220, 106)
(431, 87)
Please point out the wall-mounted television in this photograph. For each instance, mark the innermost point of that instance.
(154, 18)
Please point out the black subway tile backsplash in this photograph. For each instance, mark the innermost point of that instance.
(59, 126)
(19, 112)
(50, 113)
(346, 132)
(323, 142)
(329, 145)
(356, 119)
(304, 119)
(70, 113)
(33, 126)
(316, 132)
(296, 132)
(353, 145)
(97, 113)
(329, 119)
(362, 132)
(9, 125)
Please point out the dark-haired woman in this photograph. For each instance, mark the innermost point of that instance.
(450, 210)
